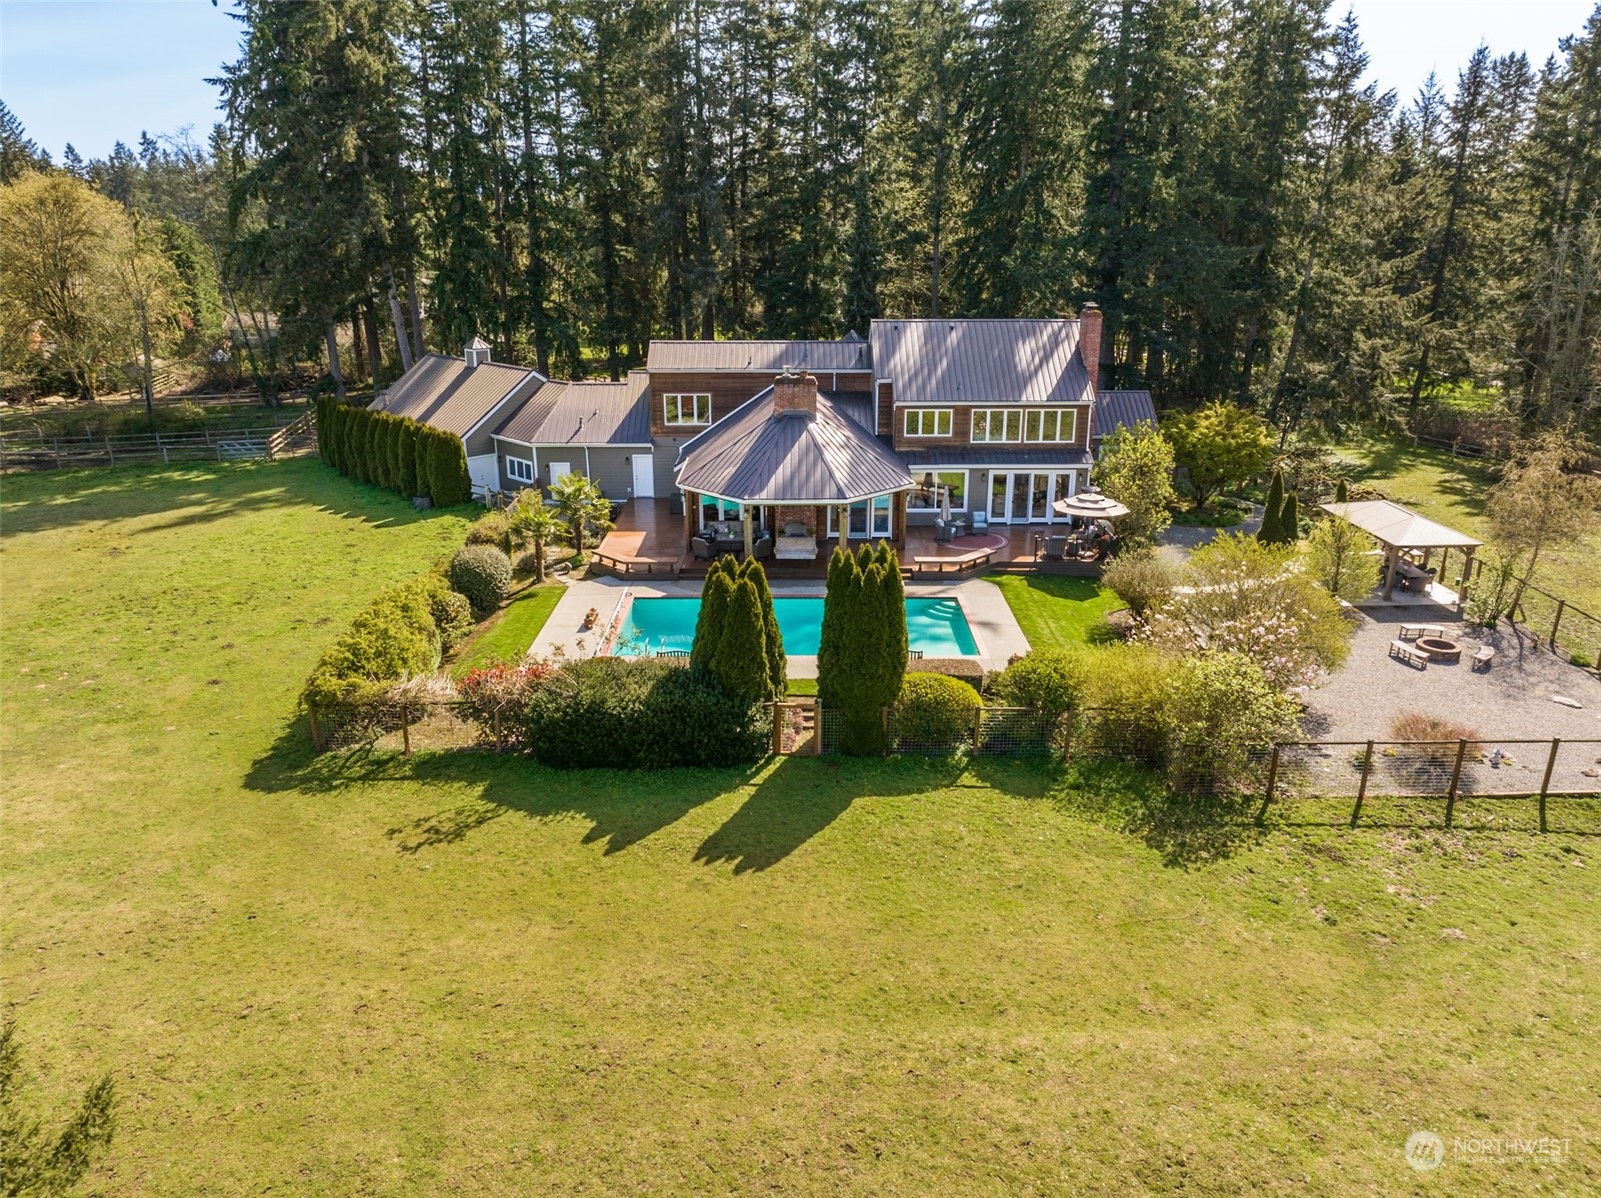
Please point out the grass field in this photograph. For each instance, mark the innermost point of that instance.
(512, 630)
(460, 974)
(1454, 491)
(1056, 612)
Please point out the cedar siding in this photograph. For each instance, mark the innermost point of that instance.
(962, 428)
(729, 389)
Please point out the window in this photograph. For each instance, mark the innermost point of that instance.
(686, 409)
(1051, 424)
(928, 422)
(997, 424)
(926, 499)
(520, 469)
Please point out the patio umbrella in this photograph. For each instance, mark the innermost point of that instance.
(1091, 504)
(945, 505)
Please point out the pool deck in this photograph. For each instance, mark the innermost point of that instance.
(995, 630)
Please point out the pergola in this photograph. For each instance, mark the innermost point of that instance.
(1399, 530)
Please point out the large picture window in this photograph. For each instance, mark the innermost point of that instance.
(686, 409)
(1051, 425)
(997, 424)
(928, 422)
(926, 499)
(520, 469)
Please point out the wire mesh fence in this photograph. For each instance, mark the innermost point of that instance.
(408, 726)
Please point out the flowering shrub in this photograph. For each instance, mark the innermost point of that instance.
(502, 688)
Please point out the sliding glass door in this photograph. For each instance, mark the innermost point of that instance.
(1017, 497)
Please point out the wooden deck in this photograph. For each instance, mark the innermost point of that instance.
(649, 540)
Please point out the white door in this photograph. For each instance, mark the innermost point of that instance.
(483, 471)
(644, 476)
(558, 471)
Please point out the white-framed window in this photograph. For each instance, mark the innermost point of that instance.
(1051, 424)
(928, 422)
(926, 499)
(686, 409)
(520, 469)
(997, 424)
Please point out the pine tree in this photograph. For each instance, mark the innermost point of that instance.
(1290, 519)
(777, 663)
(835, 667)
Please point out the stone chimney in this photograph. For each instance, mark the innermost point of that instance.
(475, 352)
(795, 393)
(1089, 341)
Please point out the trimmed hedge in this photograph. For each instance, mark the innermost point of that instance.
(640, 713)
(394, 452)
(967, 669)
(483, 574)
(1048, 680)
(934, 708)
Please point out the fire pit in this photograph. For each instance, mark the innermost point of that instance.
(1439, 649)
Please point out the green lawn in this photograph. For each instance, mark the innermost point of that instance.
(1453, 491)
(1056, 612)
(461, 974)
(512, 630)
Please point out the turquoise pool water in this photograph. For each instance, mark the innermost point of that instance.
(936, 626)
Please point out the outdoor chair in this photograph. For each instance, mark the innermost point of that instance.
(981, 521)
(1482, 658)
(795, 529)
(701, 549)
(945, 531)
(914, 655)
(1055, 548)
(763, 546)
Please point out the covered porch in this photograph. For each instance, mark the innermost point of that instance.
(1410, 543)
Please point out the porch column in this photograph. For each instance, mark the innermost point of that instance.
(745, 513)
(897, 516)
(691, 502)
(1467, 573)
(842, 524)
(1390, 554)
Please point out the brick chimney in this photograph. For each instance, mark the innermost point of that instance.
(795, 393)
(1089, 341)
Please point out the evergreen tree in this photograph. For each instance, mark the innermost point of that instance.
(1272, 530)
(777, 663)
(1290, 520)
(741, 661)
(712, 619)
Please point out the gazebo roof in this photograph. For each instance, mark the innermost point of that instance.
(1399, 527)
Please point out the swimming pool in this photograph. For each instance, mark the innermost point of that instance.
(936, 626)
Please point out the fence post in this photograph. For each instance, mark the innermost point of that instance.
(780, 711)
(883, 722)
(1456, 779)
(817, 728)
(1067, 737)
(978, 727)
(1556, 622)
(405, 729)
(500, 745)
(1545, 782)
(56, 441)
(316, 733)
(1272, 781)
(111, 456)
(1362, 790)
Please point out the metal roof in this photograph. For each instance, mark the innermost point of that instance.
(597, 412)
(1399, 527)
(447, 394)
(759, 356)
(981, 361)
(757, 455)
(1120, 409)
(998, 457)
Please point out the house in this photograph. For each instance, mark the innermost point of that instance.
(995, 417)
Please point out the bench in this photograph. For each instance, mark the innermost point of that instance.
(953, 562)
(622, 563)
(1402, 651)
(1482, 658)
(1413, 631)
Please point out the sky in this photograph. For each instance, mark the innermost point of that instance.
(91, 72)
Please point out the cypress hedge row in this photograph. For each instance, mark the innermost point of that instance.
(393, 452)
(861, 659)
(737, 640)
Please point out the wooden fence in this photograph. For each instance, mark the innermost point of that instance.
(32, 452)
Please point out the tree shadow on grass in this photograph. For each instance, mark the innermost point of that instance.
(1188, 831)
(798, 797)
(623, 806)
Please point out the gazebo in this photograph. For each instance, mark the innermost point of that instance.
(1401, 530)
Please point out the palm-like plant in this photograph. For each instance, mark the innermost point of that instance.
(581, 506)
(529, 522)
